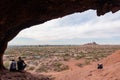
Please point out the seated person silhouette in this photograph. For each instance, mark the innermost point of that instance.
(100, 66)
(21, 64)
(13, 66)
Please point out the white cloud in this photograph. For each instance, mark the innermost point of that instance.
(106, 26)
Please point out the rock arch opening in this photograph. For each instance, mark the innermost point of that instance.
(74, 29)
(18, 15)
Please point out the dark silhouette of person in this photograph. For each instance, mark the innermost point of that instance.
(100, 66)
(13, 66)
(21, 64)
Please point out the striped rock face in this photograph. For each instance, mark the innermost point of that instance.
(16, 15)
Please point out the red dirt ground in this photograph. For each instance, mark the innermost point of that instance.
(111, 70)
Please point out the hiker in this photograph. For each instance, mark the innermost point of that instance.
(100, 66)
(21, 64)
(13, 66)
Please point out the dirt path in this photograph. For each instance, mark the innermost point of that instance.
(73, 63)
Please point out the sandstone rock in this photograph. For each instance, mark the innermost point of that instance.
(16, 15)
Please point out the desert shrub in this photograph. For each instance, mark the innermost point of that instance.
(80, 65)
(102, 55)
(31, 68)
(79, 56)
(34, 62)
(52, 66)
(66, 54)
(42, 68)
(6, 64)
(60, 67)
(66, 58)
(96, 57)
(87, 62)
(25, 54)
(57, 64)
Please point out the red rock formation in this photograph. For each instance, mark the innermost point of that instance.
(16, 15)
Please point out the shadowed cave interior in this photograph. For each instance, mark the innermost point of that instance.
(17, 15)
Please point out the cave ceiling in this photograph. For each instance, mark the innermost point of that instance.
(16, 15)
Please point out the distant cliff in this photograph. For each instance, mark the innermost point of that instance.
(93, 43)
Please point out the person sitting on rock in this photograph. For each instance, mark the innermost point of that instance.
(21, 64)
(100, 66)
(13, 65)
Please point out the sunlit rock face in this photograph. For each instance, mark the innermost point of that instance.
(16, 15)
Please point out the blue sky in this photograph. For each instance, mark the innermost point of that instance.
(77, 28)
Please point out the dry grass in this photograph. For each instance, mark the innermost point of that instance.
(49, 58)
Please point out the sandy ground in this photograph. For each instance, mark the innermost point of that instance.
(111, 71)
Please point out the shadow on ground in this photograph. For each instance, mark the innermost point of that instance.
(7, 75)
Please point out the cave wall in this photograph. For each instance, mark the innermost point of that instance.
(16, 15)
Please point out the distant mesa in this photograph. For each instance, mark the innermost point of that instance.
(93, 43)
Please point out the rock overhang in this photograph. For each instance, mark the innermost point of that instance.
(16, 15)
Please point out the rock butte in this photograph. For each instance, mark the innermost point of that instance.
(16, 15)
